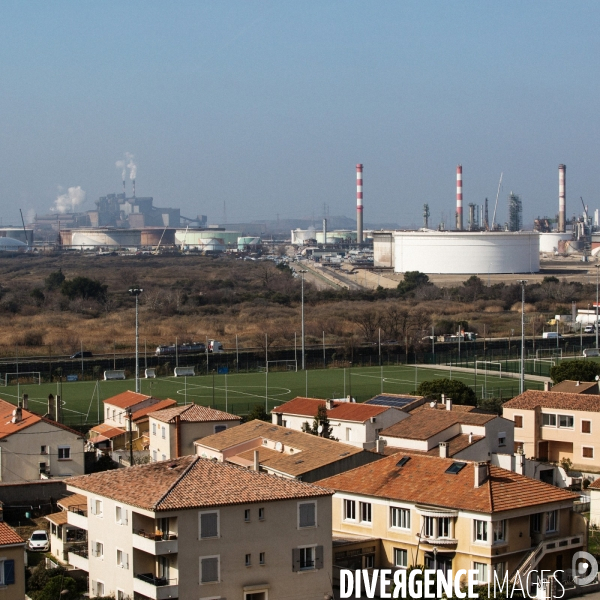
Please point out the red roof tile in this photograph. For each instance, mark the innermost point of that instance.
(126, 399)
(193, 413)
(143, 412)
(8, 536)
(531, 399)
(343, 411)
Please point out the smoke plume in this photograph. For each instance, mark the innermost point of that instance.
(131, 165)
(120, 164)
(70, 201)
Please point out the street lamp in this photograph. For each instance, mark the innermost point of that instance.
(136, 291)
(596, 323)
(522, 282)
(302, 272)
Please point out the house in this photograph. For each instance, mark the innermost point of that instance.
(447, 430)
(283, 452)
(65, 537)
(109, 438)
(197, 528)
(412, 509)
(557, 426)
(12, 564)
(34, 447)
(576, 387)
(357, 424)
(172, 431)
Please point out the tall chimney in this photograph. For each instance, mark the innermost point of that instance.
(134, 188)
(359, 204)
(459, 198)
(324, 231)
(520, 462)
(562, 195)
(256, 461)
(480, 469)
(443, 450)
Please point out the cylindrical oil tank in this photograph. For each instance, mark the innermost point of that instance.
(195, 237)
(112, 238)
(245, 243)
(8, 244)
(549, 242)
(466, 252)
(17, 233)
(153, 236)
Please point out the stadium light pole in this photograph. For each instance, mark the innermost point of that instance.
(522, 282)
(302, 272)
(596, 324)
(136, 291)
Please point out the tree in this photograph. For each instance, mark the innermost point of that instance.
(38, 295)
(368, 321)
(412, 280)
(321, 420)
(83, 287)
(575, 370)
(258, 413)
(54, 280)
(457, 390)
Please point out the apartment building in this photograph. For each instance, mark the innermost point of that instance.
(117, 409)
(12, 564)
(34, 447)
(408, 510)
(197, 528)
(552, 426)
(173, 431)
(283, 452)
(357, 424)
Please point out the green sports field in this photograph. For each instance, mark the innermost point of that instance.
(239, 393)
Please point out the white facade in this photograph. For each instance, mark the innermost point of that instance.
(466, 252)
(93, 238)
(549, 241)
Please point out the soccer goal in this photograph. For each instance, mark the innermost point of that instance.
(13, 378)
(549, 353)
(489, 366)
(279, 365)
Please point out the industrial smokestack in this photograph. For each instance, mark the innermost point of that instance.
(562, 193)
(459, 198)
(133, 187)
(324, 231)
(359, 204)
(124, 193)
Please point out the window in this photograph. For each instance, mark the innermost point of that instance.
(261, 514)
(43, 467)
(261, 558)
(499, 570)
(43, 450)
(480, 532)
(400, 557)
(400, 517)
(518, 421)
(304, 559)
(369, 561)
(535, 522)
(248, 560)
(552, 522)
(219, 428)
(209, 569)
(99, 588)
(122, 559)
(481, 569)
(7, 572)
(163, 432)
(548, 420)
(114, 414)
(153, 428)
(121, 595)
(443, 527)
(307, 514)
(456, 468)
(164, 457)
(154, 457)
(502, 438)
(284, 423)
(97, 507)
(120, 417)
(98, 550)
(64, 453)
(587, 452)
(208, 523)
(247, 515)
(565, 421)
(307, 558)
(349, 510)
(428, 527)
(586, 427)
(499, 531)
(108, 413)
(121, 515)
(365, 512)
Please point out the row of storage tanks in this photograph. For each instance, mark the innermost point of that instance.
(464, 252)
(206, 239)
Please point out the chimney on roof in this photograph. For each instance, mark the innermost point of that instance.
(520, 461)
(380, 446)
(51, 407)
(256, 461)
(177, 436)
(577, 383)
(448, 403)
(17, 415)
(328, 404)
(443, 450)
(25, 402)
(481, 470)
(547, 386)
(470, 437)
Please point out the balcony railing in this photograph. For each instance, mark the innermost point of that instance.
(79, 551)
(79, 509)
(156, 581)
(157, 536)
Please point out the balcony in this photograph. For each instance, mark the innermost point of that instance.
(436, 541)
(77, 516)
(157, 588)
(78, 558)
(155, 544)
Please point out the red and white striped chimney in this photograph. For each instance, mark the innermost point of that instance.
(562, 197)
(459, 198)
(359, 204)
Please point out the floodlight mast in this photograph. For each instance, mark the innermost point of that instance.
(136, 291)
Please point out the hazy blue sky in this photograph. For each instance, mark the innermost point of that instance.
(269, 105)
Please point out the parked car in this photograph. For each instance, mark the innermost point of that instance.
(589, 329)
(84, 354)
(39, 541)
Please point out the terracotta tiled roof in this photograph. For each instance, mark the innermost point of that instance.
(455, 445)
(441, 406)
(531, 399)
(126, 399)
(9, 536)
(72, 500)
(342, 411)
(595, 483)
(192, 413)
(144, 412)
(422, 424)
(423, 480)
(191, 482)
(310, 451)
(105, 431)
(576, 387)
(59, 518)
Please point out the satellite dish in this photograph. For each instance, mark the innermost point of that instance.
(597, 377)
(279, 447)
(432, 404)
(320, 429)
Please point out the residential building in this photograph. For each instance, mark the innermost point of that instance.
(196, 528)
(173, 431)
(447, 514)
(557, 427)
(12, 564)
(284, 452)
(34, 447)
(67, 538)
(357, 424)
(594, 490)
(576, 387)
(447, 430)
(108, 438)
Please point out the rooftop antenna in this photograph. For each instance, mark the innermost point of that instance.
(496, 205)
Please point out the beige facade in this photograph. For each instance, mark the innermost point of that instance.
(12, 564)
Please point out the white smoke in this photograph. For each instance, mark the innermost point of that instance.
(131, 165)
(70, 201)
(30, 216)
(120, 164)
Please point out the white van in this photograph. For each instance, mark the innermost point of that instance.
(551, 335)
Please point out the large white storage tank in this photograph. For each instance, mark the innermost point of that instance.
(466, 252)
(112, 238)
(550, 242)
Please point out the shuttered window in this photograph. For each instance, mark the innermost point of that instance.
(9, 572)
(304, 559)
(307, 514)
(209, 569)
(209, 525)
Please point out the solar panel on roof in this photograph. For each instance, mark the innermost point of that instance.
(394, 401)
(403, 461)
